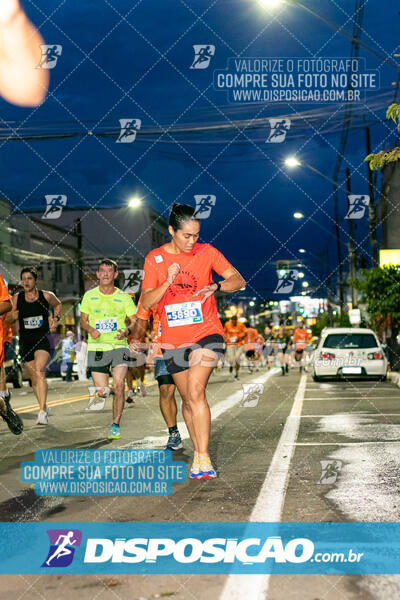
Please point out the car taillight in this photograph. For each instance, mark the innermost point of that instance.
(374, 355)
(326, 356)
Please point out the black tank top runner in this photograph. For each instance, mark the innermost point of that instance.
(33, 317)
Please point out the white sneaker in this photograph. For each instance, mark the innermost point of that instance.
(48, 410)
(130, 398)
(42, 418)
(142, 388)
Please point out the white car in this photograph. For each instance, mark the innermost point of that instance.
(348, 352)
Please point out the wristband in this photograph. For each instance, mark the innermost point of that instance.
(56, 317)
(218, 285)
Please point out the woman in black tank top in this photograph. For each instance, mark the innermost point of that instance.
(31, 308)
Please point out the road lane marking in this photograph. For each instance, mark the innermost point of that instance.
(360, 414)
(269, 504)
(61, 402)
(358, 398)
(343, 443)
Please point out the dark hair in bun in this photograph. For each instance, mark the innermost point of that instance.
(181, 213)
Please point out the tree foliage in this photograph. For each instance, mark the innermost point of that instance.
(378, 160)
(380, 289)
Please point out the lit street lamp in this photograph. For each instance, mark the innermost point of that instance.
(135, 202)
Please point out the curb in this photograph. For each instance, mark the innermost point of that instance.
(395, 377)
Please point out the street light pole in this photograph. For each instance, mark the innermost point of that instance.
(79, 253)
(352, 255)
(371, 207)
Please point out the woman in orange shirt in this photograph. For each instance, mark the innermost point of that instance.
(178, 277)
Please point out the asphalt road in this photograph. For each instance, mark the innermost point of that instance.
(268, 459)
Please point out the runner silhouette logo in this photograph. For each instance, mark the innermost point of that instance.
(279, 129)
(204, 204)
(129, 128)
(63, 543)
(54, 206)
(50, 55)
(357, 206)
(202, 56)
(285, 284)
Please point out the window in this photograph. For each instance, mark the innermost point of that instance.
(70, 273)
(58, 272)
(350, 341)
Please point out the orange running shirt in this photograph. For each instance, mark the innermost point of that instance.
(7, 330)
(250, 339)
(184, 319)
(141, 313)
(4, 295)
(301, 338)
(234, 334)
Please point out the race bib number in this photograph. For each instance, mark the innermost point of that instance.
(33, 322)
(233, 339)
(106, 325)
(184, 313)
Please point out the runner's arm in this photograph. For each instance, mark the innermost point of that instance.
(20, 82)
(232, 281)
(129, 321)
(12, 316)
(84, 323)
(5, 306)
(138, 329)
(56, 306)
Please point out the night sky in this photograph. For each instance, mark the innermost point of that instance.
(127, 59)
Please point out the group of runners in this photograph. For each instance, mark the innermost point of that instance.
(289, 349)
(188, 339)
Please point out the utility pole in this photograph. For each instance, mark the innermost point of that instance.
(371, 209)
(339, 249)
(79, 253)
(352, 255)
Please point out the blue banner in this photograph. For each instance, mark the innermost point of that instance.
(196, 548)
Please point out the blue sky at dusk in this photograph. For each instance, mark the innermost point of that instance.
(131, 59)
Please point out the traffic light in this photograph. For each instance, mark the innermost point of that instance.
(282, 268)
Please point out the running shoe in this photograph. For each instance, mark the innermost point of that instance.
(42, 418)
(142, 388)
(130, 397)
(195, 468)
(206, 469)
(174, 441)
(114, 432)
(13, 420)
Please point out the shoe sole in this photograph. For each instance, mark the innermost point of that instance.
(14, 424)
(178, 447)
(113, 437)
(195, 476)
(207, 476)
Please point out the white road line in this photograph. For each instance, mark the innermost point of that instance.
(218, 409)
(362, 414)
(269, 504)
(363, 397)
(343, 443)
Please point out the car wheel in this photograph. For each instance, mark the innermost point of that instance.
(17, 381)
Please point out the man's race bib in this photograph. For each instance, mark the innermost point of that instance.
(233, 339)
(33, 322)
(184, 313)
(106, 325)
